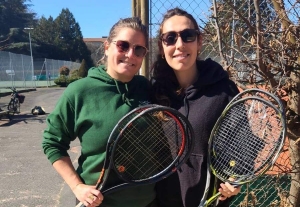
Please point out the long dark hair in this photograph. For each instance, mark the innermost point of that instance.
(163, 77)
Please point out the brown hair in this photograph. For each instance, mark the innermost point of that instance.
(163, 76)
(134, 23)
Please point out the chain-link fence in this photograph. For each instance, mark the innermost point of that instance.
(18, 71)
(239, 35)
(51, 67)
(199, 9)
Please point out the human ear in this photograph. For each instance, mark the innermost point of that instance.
(106, 46)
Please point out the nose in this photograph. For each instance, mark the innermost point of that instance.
(130, 52)
(179, 42)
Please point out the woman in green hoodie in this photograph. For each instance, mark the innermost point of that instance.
(90, 108)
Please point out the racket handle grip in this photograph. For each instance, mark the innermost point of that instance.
(80, 205)
(211, 200)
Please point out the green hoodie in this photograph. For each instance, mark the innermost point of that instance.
(88, 110)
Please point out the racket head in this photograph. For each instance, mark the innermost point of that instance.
(111, 141)
(255, 92)
(152, 145)
(122, 123)
(246, 140)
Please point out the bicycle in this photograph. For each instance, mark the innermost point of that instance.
(15, 102)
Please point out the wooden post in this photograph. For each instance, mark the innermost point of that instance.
(144, 15)
(133, 8)
(140, 8)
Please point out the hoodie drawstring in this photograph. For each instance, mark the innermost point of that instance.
(186, 106)
(124, 95)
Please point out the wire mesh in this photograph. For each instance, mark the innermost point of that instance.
(254, 41)
(16, 70)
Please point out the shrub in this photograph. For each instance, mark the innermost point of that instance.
(73, 76)
(64, 70)
(82, 71)
(62, 81)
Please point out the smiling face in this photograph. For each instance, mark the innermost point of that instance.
(123, 66)
(181, 56)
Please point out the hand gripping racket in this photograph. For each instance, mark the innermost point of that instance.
(244, 143)
(146, 146)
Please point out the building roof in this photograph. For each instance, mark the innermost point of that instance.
(94, 39)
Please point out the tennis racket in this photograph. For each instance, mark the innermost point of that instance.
(244, 143)
(146, 146)
(259, 93)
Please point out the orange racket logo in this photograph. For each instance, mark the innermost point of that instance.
(121, 168)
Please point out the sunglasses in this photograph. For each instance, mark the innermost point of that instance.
(123, 46)
(187, 35)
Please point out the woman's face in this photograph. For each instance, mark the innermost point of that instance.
(123, 63)
(181, 56)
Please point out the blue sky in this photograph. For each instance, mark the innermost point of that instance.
(95, 17)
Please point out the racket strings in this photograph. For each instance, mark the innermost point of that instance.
(148, 145)
(141, 143)
(246, 140)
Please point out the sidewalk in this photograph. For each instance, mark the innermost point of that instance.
(27, 178)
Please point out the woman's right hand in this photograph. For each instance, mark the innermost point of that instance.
(88, 195)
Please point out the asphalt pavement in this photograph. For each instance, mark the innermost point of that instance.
(27, 179)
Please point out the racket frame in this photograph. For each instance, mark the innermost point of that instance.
(172, 166)
(268, 163)
(109, 146)
(111, 141)
(255, 93)
(188, 141)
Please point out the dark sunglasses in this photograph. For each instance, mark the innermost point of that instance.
(123, 46)
(187, 35)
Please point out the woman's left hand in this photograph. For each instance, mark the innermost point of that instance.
(227, 190)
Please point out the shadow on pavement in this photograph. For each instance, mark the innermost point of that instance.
(25, 118)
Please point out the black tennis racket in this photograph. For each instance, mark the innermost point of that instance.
(244, 143)
(259, 93)
(146, 146)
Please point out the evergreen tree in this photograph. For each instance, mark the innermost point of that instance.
(45, 34)
(82, 71)
(14, 14)
(45, 30)
(59, 38)
(69, 38)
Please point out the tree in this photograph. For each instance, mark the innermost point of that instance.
(44, 34)
(70, 39)
(267, 49)
(45, 30)
(58, 38)
(14, 16)
(82, 71)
